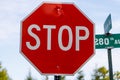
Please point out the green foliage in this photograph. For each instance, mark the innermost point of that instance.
(3, 74)
(62, 78)
(103, 73)
(80, 75)
(29, 77)
(100, 74)
(46, 78)
(117, 75)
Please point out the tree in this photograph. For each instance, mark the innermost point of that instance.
(3, 74)
(46, 78)
(80, 75)
(103, 73)
(29, 77)
(62, 78)
(95, 75)
(117, 75)
(100, 74)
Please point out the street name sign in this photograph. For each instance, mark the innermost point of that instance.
(57, 38)
(107, 41)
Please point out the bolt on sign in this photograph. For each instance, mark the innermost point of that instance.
(57, 38)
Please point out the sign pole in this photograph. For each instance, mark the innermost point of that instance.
(110, 64)
(57, 77)
(107, 28)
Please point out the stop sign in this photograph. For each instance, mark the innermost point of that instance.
(57, 38)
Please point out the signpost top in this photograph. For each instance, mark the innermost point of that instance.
(108, 24)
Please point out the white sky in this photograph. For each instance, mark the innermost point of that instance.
(13, 11)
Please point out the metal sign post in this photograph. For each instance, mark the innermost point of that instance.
(110, 64)
(57, 77)
(107, 28)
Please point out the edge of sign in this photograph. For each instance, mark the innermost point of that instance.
(20, 46)
(93, 35)
(21, 37)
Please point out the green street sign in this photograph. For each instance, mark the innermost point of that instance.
(107, 41)
(108, 24)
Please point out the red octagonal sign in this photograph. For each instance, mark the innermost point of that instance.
(57, 38)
